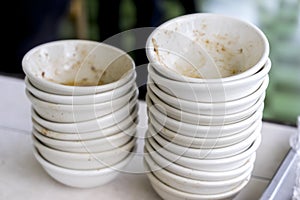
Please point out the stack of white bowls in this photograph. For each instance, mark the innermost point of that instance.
(84, 110)
(206, 88)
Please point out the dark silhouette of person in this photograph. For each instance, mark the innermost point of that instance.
(34, 22)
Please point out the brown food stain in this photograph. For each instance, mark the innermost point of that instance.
(71, 83)
(93, 69)
(84, 80)
(233, 71)
(44, 131)
(76, 65)
(100, 82)
(155, 46)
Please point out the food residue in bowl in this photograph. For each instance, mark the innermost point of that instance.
(224, 51)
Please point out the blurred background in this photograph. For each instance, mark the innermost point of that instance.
(36, 22)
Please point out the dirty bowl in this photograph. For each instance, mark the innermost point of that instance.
(203, 142)
(82, 178)
(211, 131)
(153, 102)
(88, 146)
(201, 187)
(204, 47)
(210, 108)
(124, 126)
(82, 99)
(78, 113)
(77, 67)
(221, 164)
(106, 121)
(217, 91)
(208, 152)
(170, 193)
(84, 161)
(161, 162)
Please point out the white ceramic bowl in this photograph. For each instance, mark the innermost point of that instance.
(193, 130)
(88, 146)
(78, 113)
(210, 92)
(153, 102)
(84, 161)
(124, 126)
(169, 193)
(83, 99)
(82, 178)
(91, 125)
(77, 67)
(203, 142)
(197, 186)
(228, 107)
(197, 174)
(222, 164)
(180, 46)
(208, 152)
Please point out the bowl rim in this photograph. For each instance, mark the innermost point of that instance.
(177, 169)
(206, 153)
(156, 90)
(56, 106)
(126, 123)
(153, 99)
(213, 134)
(70, 127)
(66, 99)
(181, 179)
(54, 168)
(257, 125)
(155, 182)
(151, 57)
(74, 89)
(156, 114)
(73, 155)
(169, 133)
(241, 156)
(81, 143)
(155, 75)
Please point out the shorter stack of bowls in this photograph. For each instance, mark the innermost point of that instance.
(84, 110)
(204, 129)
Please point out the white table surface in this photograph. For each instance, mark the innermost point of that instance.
(21, 176)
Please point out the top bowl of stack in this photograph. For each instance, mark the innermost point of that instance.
(73, 67)
(205, 48)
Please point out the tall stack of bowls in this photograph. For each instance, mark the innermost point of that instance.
(206, 88)
(84, 110)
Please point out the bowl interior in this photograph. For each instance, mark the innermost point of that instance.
(222, 46)
(77, 63)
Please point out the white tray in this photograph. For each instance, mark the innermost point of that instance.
(281, 185)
